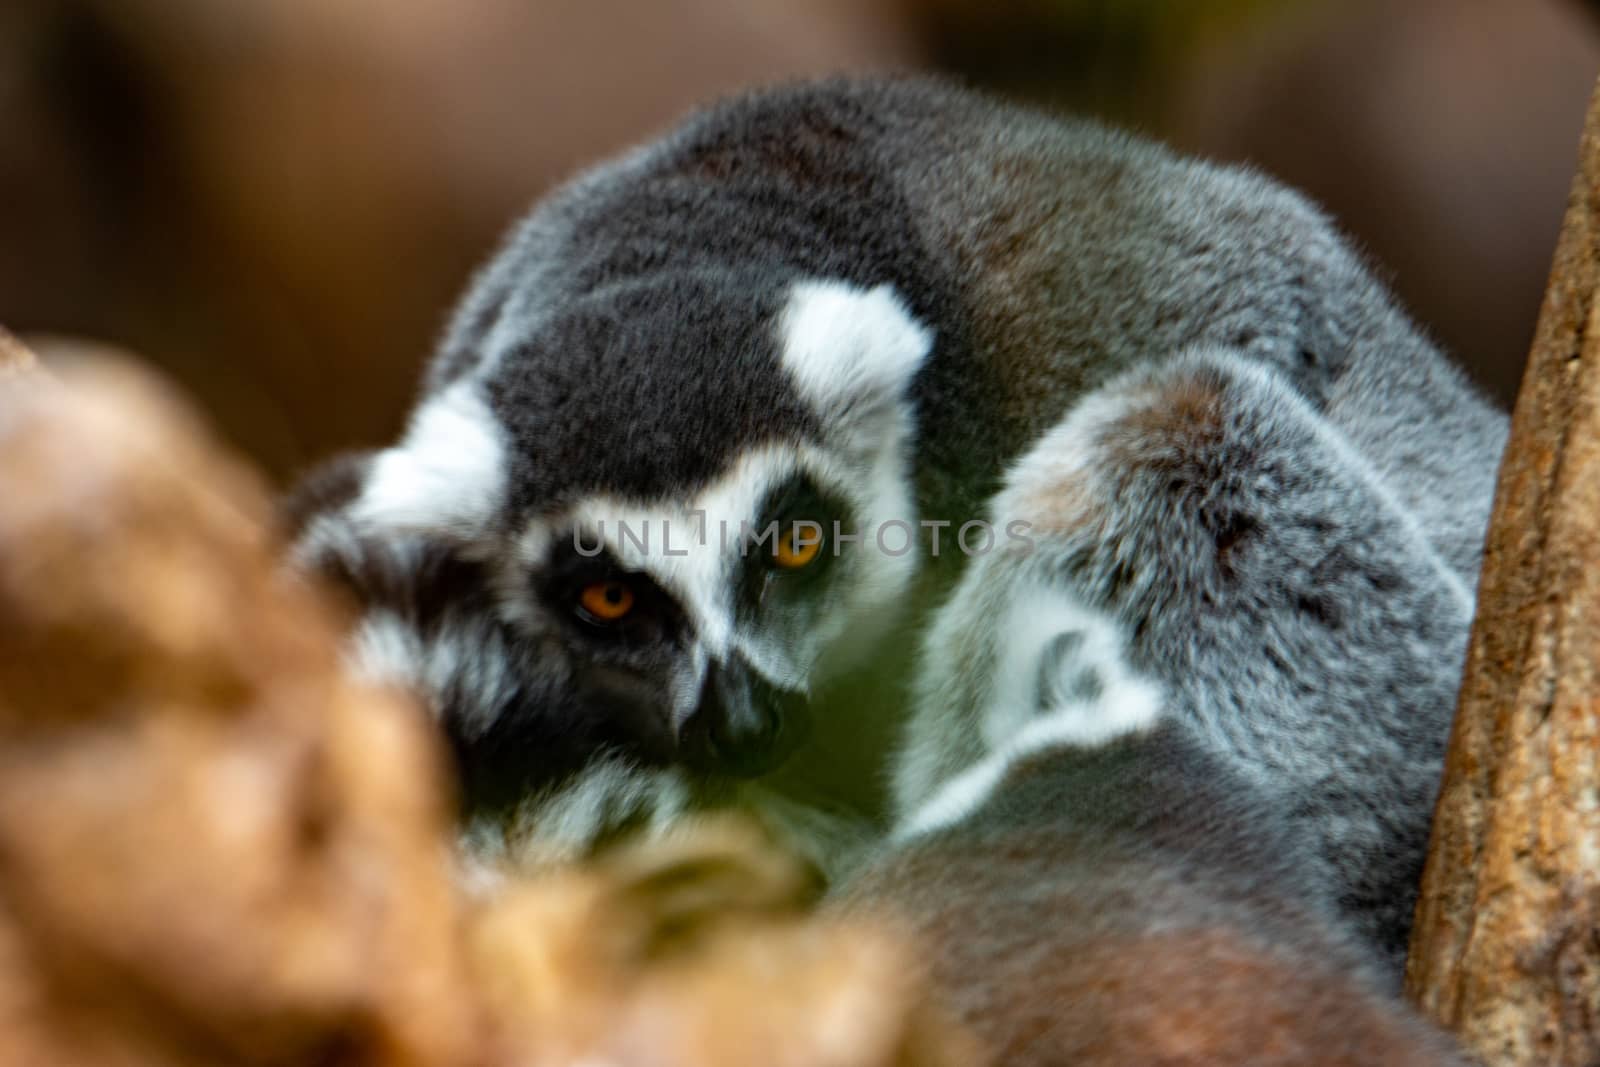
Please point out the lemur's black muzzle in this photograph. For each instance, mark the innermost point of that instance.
(743, 726)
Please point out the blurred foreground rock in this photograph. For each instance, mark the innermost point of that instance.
(685, 952)
(1506, 948)
(213, 848)
(216, 849)
(13, 356)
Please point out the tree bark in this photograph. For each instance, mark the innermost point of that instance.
(1506, 948)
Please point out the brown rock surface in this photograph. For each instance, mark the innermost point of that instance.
(14, 356)
(215, 848)
(1506, 949)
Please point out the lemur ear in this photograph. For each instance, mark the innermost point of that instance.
(851, 352)
(447, 476)
(1053, 685)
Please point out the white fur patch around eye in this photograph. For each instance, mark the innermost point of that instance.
(850, 349)
(692, 549)
(446, 476)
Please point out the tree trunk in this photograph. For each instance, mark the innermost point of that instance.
(1506, 949)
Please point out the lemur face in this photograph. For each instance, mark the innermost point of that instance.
(649, 524)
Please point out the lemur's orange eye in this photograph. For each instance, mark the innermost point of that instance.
(798, 545)
(606, 601)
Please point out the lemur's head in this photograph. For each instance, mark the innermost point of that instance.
(615, 529)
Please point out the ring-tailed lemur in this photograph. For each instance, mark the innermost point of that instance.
(1305, 631)
(1105, 883)
(851, 304)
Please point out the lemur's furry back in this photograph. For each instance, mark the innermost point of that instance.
(1299, 618)
(1098, 861)
(1101, 887)
(845, 308)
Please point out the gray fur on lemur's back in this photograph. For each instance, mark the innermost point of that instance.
(1297, 616)
(1103, 886)
(1047, 254)
(895, 289)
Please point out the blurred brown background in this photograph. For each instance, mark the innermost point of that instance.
(278, 200)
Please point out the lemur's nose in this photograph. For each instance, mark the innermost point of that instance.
(739, 727)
